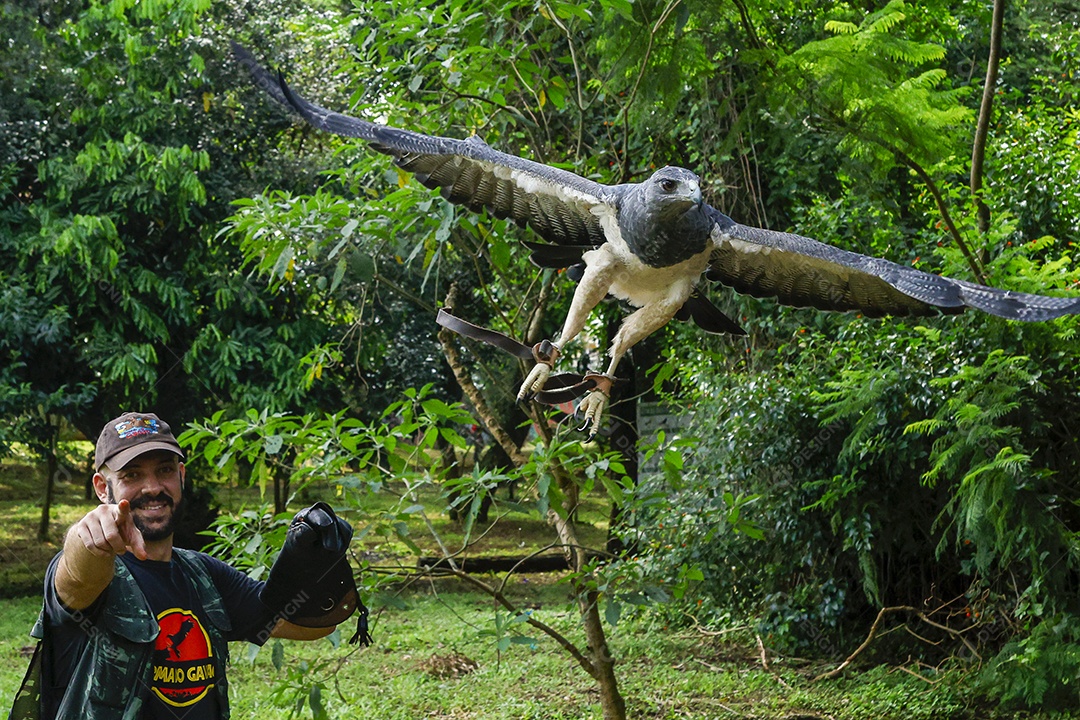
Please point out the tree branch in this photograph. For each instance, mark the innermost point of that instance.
(874, 631)
(943, 208)
(939, 199)
(865, 643)
(978, 151)
(624, 160)
(551, 632)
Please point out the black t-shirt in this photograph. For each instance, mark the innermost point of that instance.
(184, 668)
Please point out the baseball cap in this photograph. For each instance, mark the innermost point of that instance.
(130, 435)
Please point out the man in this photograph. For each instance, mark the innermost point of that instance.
(133, 628)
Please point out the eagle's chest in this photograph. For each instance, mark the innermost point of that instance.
(659, 241)
(640, 283)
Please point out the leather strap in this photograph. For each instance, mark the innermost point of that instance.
(564, 387)
(545, 352)
(560, 387)
(491, 337)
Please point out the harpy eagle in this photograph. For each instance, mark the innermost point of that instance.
(649, 243)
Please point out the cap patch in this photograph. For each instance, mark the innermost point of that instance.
(137, 426)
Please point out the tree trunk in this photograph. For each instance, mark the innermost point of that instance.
(52, 467)
(281, 490)
(599, 664)
(612, 702)
(603, 664)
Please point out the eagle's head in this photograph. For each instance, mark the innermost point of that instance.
(671, 191)
(662, 220)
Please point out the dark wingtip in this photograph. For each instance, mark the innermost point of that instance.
(239, 51)
(262, 77)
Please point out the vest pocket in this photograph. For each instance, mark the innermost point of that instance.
(119, 667)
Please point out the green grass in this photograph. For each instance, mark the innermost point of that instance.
(664, 672)
(22, 557)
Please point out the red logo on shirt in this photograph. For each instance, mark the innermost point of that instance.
(184, 669)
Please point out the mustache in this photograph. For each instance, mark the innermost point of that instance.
(144, 500)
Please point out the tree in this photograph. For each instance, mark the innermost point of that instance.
(120, 154)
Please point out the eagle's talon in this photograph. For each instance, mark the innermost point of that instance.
(534, 382)
(592, 408)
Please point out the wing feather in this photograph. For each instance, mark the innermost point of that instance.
(806, 273)
(555, 203)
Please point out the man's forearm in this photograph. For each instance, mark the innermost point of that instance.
(81, 576)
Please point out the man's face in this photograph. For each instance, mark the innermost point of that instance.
(153, 484)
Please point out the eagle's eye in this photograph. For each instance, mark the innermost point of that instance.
(668, 185)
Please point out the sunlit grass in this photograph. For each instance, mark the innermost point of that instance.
(22, 492)
(664, 671)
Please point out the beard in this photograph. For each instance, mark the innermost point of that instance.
(160, 530)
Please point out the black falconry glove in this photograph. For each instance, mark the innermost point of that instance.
(311, 583)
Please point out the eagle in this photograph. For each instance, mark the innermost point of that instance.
(650, 243)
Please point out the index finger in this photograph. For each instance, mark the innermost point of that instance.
(131, 533)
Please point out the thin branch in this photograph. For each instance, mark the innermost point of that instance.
(480, 98)
(748, 26)
(945, 214)
(577, 79)
(955, 633)
(551, 632)
(939, 199)
(532, 329)
(982, 128)
(424, 305)
(865, 643)
(912, 672)
(672, 4)
(959, 634)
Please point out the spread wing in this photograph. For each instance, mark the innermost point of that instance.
(803, 272)
(556, 204)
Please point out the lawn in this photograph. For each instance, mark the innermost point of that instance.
(436, 656)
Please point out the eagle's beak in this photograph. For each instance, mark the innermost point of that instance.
(695, 193)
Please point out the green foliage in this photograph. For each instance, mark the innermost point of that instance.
(1039, 669)
(839, 464)
(107, 220)
(877, 87)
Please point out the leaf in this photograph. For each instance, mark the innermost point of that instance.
(841, 28)
(339, 273)
(612, 611)
(272, 444)
(277, 655)
(623, 7)
(500, 253)
(525, 640)
(318, 711)
(349, 228)
(615, 490)
(362, 266)
(663, 374)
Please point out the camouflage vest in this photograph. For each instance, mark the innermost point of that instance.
(112, 678)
